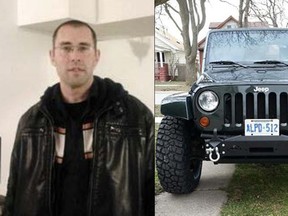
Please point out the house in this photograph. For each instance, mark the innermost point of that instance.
(169, 56)
(230, 22)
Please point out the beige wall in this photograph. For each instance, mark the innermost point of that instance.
(130, 62)
(111, 10)
(26, 72)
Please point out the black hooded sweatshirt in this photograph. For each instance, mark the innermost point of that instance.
(72, 122)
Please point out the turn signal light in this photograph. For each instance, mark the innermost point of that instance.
(204, 121)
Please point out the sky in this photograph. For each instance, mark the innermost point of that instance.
(216, 11)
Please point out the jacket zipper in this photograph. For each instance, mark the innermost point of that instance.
(96, 121)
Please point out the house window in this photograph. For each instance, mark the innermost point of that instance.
(231, 26)
(159, 55)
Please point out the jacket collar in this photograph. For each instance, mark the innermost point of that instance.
(103, 93)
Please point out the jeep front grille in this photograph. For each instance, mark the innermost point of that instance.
(238, 107)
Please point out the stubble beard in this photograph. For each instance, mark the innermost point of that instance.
(78, 80)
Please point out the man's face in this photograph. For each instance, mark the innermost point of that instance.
(74, 56)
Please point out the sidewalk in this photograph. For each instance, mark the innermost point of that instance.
(208, 198)
(158, 120)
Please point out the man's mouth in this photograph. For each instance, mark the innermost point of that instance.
(76, 69)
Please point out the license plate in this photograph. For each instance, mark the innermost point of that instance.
(262, 127)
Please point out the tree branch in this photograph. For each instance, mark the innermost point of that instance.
(171, 17)
(269, 10)
(184, 14)
(160, 2)
(228, 3)
(192, 15)
(203, 21)
(197, 14)
(172, 8)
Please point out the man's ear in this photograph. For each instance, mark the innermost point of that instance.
(97, 56)
(52, 57)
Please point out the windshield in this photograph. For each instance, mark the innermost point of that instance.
(247, 47)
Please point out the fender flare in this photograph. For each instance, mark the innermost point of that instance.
(177, 105)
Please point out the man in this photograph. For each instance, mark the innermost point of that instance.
(87, 148)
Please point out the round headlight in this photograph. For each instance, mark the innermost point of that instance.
(208, 101)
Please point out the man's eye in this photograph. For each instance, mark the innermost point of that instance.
(83, 48)
(67, 48)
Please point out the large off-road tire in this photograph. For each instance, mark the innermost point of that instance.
(178, 170)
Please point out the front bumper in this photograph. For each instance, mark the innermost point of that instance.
(248, 149)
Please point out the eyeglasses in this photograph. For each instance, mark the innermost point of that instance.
(67, 49)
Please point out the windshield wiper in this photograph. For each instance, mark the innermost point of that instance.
(227, 63)
(270, 62)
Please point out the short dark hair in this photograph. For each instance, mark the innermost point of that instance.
(76, 23)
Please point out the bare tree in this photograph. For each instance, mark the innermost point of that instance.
(270, 11)
(193, 16)
(267, 11)
(243, 11)
(160, 2)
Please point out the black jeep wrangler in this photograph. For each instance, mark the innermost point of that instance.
(237, 111)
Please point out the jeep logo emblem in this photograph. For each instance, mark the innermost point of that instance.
(259, 89)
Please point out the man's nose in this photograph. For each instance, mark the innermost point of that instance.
(75, 54)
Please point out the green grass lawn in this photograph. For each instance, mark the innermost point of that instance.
(258, 190)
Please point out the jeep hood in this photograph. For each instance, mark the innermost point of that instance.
(247, 74)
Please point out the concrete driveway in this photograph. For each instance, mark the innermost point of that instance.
(208, 198)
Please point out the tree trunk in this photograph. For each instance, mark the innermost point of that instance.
(190, 13)
(246, 13)
(184, 15)
(191, 71)
(240, 10)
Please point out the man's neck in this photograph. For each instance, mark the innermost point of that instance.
(74, 95)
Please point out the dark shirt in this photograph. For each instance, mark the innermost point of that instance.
(72, 175)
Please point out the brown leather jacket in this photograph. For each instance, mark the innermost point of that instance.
(122, 176)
